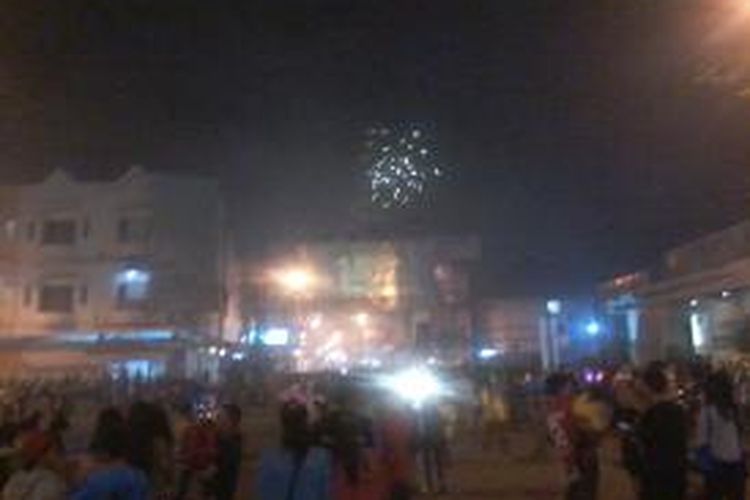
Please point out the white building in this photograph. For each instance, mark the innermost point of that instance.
(130, 270)
(695, 301)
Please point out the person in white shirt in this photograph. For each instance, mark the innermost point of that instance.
(719, 433)
(36, 479)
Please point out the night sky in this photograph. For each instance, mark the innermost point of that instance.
(578, 137)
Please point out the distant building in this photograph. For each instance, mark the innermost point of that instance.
(514, 329)
(623, 308)
(542, 333)
(126, 272)
(696, 301)
(368, 298)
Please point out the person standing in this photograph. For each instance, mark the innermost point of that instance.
(152, 449)
(630, 404)
(720, 437)
(229, 452)
(397, 450)
(36, 479)
(663, 436)
(110, 476)
(298, 470)
(356, 471)
(577, 448)
(197, 456)
(495, 420)
(432, 447)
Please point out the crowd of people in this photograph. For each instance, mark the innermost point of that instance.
(86, 440)
(678, 428)
(673, 426)
(140, 448)
(358, 443)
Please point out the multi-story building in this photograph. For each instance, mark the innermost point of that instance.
(696, 301)
(364, 299)
(127, 271)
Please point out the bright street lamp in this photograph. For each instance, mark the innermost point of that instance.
(549, 334)
(296, 280)
(362, 319)
(554, 307)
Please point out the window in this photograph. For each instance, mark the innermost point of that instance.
(56, 299)
(144, 369)
(83, 295)
(134, 229)
(131, 295)
(59, 232)
(132, 287)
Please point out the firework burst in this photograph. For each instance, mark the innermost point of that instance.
(401, 165)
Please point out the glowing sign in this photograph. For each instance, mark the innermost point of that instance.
(275, 337)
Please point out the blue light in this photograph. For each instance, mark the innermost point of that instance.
(593, 328)
(146, 335)
(252, 336)
(554, 307)
(116, 336)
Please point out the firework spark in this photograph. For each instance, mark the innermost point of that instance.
(401, 165)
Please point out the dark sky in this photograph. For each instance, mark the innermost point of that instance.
(579, 142)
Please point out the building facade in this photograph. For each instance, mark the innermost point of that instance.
(367, 300)
(514, 330)
(696, 301)
(534, 332)
(127, 268)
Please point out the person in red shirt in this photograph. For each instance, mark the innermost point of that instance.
(198, 450)
(576, 447)
(397, 445)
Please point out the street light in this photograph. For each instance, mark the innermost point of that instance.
(295, 280)
(549, 341)
(362, 319)
(554, 307)
(315, 321)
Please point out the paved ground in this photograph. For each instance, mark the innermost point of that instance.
(526, 471)
(521, 473)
